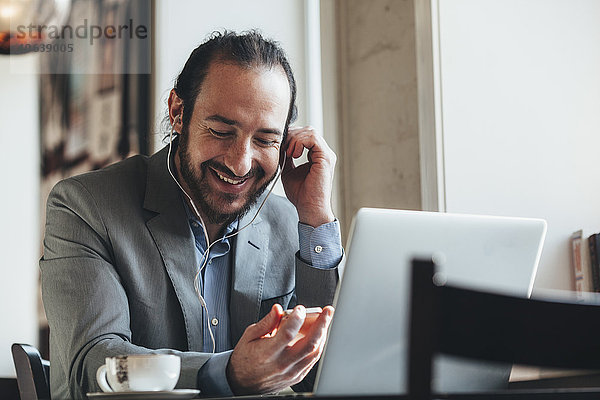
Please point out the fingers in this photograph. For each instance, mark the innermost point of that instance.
(312, 344)
(307, 351)
(290, 326)
(296, 372)
(298, 140)
(265, 325)
(307, 137)
(303, 368)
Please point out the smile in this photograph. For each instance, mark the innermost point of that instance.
(230, 181)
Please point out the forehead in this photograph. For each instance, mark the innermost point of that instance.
(238, 92)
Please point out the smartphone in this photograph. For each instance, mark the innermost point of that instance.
(311, 312)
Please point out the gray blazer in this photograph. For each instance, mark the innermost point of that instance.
(118, 267)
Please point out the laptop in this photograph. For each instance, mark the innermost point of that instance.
(366, 351)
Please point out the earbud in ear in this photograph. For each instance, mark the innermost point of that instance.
(177, 117)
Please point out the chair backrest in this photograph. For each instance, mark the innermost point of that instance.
(33, 372)
(494, 327)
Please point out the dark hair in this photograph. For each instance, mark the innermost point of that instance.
(248, 49)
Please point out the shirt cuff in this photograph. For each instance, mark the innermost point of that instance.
(320, 247)
(212, 378)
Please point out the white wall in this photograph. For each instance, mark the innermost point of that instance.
(19, 206)
(519, 115)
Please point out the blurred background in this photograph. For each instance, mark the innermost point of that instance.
(470, 106)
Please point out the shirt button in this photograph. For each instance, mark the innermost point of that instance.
(214, 322)
(318, 249)
(195, 224)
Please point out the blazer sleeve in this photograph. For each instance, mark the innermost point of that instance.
(315, 287)
(85, 301)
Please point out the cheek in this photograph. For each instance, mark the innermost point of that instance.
(204, 150)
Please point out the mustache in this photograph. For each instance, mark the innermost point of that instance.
(223, 170)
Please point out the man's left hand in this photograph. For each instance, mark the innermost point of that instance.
(308, 186)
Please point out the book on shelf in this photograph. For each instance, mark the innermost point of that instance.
(594, 252)
(587, 278)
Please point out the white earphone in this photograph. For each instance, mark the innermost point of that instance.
(207, 241)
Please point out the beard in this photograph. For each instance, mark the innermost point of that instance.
(211, 204)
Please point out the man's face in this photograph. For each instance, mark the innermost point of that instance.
(229, 152)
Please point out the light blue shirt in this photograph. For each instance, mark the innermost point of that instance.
(213, 283)
(320, 247)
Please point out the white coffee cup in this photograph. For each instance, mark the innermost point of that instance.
(139, 372)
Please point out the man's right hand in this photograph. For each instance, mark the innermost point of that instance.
(265, 363)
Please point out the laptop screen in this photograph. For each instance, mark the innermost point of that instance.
(366, 351)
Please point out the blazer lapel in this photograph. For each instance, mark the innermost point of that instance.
(249, 266)
(175, 242)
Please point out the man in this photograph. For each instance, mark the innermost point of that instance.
(127, 265)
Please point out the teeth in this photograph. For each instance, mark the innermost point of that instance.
(231, 181)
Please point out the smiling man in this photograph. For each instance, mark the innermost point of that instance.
(187, 252)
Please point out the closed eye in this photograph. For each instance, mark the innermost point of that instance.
(220, 134)
(266, 143)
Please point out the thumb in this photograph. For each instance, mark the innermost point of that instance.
(265, 325)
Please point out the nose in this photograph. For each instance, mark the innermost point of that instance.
(239, 157)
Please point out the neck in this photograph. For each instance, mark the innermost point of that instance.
(214, 232)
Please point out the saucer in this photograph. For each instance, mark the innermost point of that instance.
(176, 394)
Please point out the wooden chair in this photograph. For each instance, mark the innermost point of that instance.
(493, 327)
(33, 372)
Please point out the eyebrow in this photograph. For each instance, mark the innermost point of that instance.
(232, 122)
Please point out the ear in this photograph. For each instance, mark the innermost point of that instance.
(175, 111)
